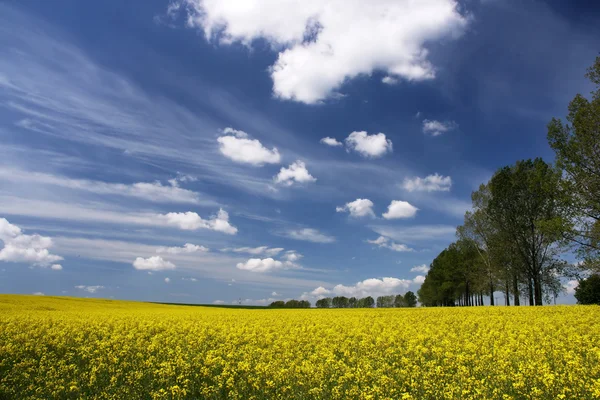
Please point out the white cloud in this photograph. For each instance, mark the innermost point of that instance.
(366, 145)
(149, 191)
(19, 247)
(167, 280)
(56, 267)
(389, 80)
(187, 248)
(218, 302)
(373, 287)
(275, 294)
(257, 250)
(39, 294)
(346, 39)
(571, 286)
(400, 209)
(260, 265)
(236, 146)
(436, 128)
(420, 268)
(310, 235)
(419, 279)
(292, 256)
(89, 289)
(385, 242)
(192, 221)
(295, 173)
(329, 141)
(430, 183)
(154, 263)
(358, 208)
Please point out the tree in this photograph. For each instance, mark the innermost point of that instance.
(577, 148)
(588, 291)
(410, 299)
(339, 302)
(525, 204)
(385, 301)
(324, 303)
(366, 302)
(352, 302)
(399, 301)
(277, 304)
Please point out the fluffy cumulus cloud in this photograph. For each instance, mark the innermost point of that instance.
(187, 248)
(19, 247)
(420, 268)
(386, 243)
(269, 251)
(295, 173)
(237, 146)
(369, 287)
(436, 128)
(292, 256)
(309, 235)
(400, 209)
(431, 183)
(329, 141)
(89, 289)
(366, 145)
(571, 286)
(358, 208)
(192, 221)
(322, 44)
(419, 279)
(261, 265)
(154, 263)
(56, 267)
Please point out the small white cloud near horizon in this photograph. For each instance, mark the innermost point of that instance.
(309, 235)
(275, 294)
(400, 209)
(187, 248)
(370, 146)
(348, 39)
(238, 147)
(154, 263)
(436, 128)
(358, 208)
(167, 280)
(218, 302)
(56, 267)
(295, 173)
(192, 221)
(431, 183)
(260, 265)
(571, 286)
(373, 287)
(19, 247)
(329, 141)
(424, 268)
(38, 294)
(90, 289)
(385, 242)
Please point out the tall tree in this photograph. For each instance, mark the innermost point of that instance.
(577, 147)
(526, 205)
(410, 299)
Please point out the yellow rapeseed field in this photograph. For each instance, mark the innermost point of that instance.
(63, 348)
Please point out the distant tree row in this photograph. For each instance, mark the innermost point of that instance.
(525, 218)
(408, 300)
(290, 304)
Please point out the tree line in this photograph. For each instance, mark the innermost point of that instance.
(408, 300)
(525, 218)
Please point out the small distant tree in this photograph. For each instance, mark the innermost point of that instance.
(410, 299)
(399, 301)
(352, 302)
(588, 291)
(366, 302)
(304, 304)
(385, 301)
(277, 304)
(292, 304)
(324, 303)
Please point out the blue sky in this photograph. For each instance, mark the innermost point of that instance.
(174, 151)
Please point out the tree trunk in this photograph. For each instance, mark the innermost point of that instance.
(481, 298)
(537, 288)
(516, 290)
(506, 294)
(530, 292)
(491, 293)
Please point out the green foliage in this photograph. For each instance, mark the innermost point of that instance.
(410, 299)
(323, 303)
(577, 147)
(588, 291)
